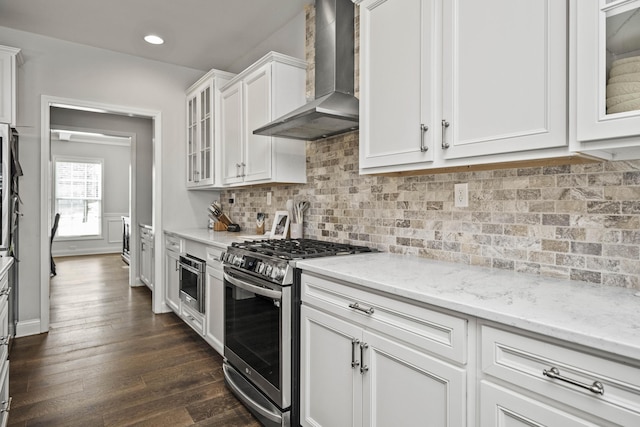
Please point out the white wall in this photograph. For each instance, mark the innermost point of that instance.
(115, 197)
(288, 40)
(142, 128)
(56, 68)
(68, 70)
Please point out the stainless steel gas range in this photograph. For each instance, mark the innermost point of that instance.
(262, 318)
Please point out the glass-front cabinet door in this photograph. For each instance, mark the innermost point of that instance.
(206, 136)
(607, 41)
(192, 133)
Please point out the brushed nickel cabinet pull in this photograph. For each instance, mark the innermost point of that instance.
(354, 344)
(356, 306)
(363, 368)
(423, 129)
(554, 373)
(445, 125)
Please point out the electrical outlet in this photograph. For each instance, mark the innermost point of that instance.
(269, 198)
(461, 195)
(232, 199)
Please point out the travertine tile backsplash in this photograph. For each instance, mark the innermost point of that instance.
(577, 222)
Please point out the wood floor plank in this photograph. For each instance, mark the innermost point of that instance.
(108, 360)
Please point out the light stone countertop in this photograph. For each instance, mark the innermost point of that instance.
(602, 317)
(219, 239)
(5, 263)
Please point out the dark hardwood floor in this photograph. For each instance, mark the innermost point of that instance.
(109, 361)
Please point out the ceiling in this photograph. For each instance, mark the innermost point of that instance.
(199, 34)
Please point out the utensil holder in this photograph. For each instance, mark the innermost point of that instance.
(296, 230)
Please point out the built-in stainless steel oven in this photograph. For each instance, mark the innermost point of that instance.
(192, 275)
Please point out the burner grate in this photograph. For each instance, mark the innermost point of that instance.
(299, 248)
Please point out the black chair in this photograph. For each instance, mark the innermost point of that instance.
(54, 229)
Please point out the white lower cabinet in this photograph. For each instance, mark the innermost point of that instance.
(146, 257)
(354, 374)
(503, 407)
(536, 381)
(193, 318)
(173, 247)
(5, 400)
(214, 301)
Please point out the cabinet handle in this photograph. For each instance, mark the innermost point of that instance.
(243, 167)
(363, 368)
(354, 344)
(237, 170)
(356, 306)
(423, 129)
(177, 268)
(6, 405)
(445, 125)
(5, 291)
(554, 373)
(196, 176)
(4, 340)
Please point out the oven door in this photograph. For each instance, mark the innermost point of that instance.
(192, 271)
(257, 327)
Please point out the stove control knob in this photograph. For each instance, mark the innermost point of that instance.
(228, 258)
(268, 270)
(238, 261)
(278, 273)
(260, 268)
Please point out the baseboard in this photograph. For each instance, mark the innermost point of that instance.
(28, 327)
(86, 251)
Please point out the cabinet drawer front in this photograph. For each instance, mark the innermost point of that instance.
(418, 326)
(213, 258)
(193, 319)
(502, 407)
(5, 399)
(521, 360)
(173, 243)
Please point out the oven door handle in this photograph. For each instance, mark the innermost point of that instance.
(269, 293)
(189, 268)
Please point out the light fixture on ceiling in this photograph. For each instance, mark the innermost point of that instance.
(153, 39)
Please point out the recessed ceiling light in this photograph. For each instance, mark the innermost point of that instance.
(153, 39)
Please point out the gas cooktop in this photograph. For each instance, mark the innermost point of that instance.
(269, 259)
(299, 248)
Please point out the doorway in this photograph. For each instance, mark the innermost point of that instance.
(85, 115)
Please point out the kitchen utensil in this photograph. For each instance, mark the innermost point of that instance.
(300, 208)
(290, 207)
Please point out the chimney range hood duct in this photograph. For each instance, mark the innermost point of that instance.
(335, 110)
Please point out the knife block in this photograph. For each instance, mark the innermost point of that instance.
(219, 226)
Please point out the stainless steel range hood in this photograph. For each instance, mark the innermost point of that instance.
(335, 110)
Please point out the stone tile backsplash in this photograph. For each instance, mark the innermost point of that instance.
(579, 222)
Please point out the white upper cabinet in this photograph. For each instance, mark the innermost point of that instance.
(504, 76)
(266, 90)
(461, 82)
(397, 83)
(8, 61)
(607, 76)
(203, 140)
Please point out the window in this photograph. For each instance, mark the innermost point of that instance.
(78, 197)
